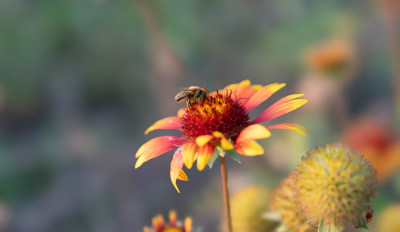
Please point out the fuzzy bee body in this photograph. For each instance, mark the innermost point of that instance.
(191, 94)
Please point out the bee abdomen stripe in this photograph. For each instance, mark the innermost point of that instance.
(180, 97)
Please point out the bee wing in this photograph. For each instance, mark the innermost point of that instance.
(183, 89)
(187, 88)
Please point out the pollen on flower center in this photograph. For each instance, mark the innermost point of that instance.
(219, 112)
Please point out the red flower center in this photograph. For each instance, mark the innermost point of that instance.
(217, 112)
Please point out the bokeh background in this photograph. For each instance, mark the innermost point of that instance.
(80, 81)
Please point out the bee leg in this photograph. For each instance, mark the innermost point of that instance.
(192, 101)
(201, 99)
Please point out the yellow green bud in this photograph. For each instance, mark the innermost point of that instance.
(290, 213)
(247, 209)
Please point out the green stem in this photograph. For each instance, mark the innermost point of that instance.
(328, 228)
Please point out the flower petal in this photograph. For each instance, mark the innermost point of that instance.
(283, 106)
(249, 148)
(237, 85)
(188, 153)
(157, 147)
(158, 222)
(288, 126)
(225, 143)
(204, 154)
(176, 168)
(162, 142)
(188, 224)
(182, 176)
(245, 93)
(243, 90)
(166, 123)
(181, 112)
(262, 95)
(203, 140)
(255, 131)
(172, 218)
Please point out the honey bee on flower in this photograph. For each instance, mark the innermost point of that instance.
(191, 94)
(219, 120)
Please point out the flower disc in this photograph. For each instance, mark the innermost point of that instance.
(218, 112)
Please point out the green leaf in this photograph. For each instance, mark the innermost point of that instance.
(221, 152)
(362, 224)
(321, 226)
(235, 156)
(283, 228)
(213, 159)
(328, 228)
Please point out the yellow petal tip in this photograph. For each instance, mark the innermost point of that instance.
(226, 145)
(257, 87)
(138, 164)
(137, 154)
(200, 167)
(201, 164)
(218, 134)
(245, 82)
(203, 140)
(188, 164)
(176, 187)
(146, 132)
(182, 176)
(249, 148)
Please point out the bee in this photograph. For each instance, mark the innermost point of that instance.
(191, 94)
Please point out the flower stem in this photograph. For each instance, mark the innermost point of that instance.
(224, 176)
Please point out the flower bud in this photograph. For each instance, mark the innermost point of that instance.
(289, 211)
(247, 209)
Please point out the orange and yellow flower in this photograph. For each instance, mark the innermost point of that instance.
(332, 56)
(220, 121)
(174, 225)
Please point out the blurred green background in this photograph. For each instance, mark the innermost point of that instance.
(81, 80)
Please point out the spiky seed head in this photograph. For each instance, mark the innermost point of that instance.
(291, 215)
(248, 207)
(336, 184)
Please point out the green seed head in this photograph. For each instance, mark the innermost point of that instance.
(290, 213)
(336, 184)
